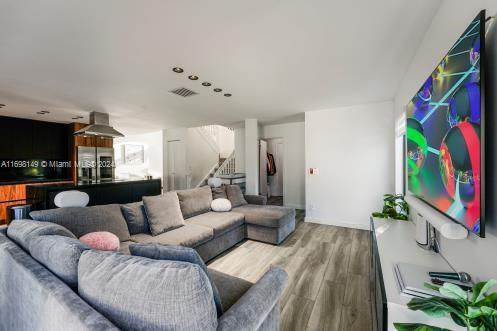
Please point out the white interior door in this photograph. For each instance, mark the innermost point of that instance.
(173, 169)
(263, 167)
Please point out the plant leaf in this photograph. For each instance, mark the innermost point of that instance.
(434, 306)
(487, 311)
(481, 288)
(453, 291)
(489, 301)
(416, 327)
(458, 320)
(432, 286)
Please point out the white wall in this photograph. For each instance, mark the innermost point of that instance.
(226, 141)
(152, 165)
(352, 148)
(240, 150)
(200, 157)
(252, 156)
(293, 135)
(474, 255)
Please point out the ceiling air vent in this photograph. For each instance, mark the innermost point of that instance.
(183, 92)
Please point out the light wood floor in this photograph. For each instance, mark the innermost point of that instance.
(328, 270)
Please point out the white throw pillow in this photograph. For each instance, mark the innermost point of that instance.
(221, 205)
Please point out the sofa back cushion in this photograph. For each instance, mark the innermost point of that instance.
(195, 201)
(136, 218)
(83, 220)
(176, 253)
(33, 298)
(22, 232)
(219, 193)
(60, 255)
(235, 195)
(163, 212)
(138, 293)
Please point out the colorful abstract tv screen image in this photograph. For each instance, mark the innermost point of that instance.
(444, 131)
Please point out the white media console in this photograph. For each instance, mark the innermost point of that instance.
(394, 242)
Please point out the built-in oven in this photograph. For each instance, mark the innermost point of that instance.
(87, 170)
(105, 163)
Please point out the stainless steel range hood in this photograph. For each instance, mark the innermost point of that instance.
(99, 126)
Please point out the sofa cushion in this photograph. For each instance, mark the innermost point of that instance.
(137, 293)
(195, 201)
(221, 205)
(189, 235)
(163, 212)
(83, 220)
(176, 253)
(124, 247)
(23, 231)
(230, 288)
(219, 193)
(102, 240)
(136, 218)
(235, 195)
(269, 216)
(218, 222)
(60, 255)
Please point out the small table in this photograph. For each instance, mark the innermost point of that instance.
(232, 177)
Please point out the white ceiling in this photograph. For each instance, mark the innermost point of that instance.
(277, 58)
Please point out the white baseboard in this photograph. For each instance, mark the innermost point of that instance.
(336, 223)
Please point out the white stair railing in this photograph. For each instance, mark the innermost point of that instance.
(227, 167)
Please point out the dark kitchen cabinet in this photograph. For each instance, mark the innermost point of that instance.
(23, 139)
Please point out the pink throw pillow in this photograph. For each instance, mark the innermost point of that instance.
(103, 241)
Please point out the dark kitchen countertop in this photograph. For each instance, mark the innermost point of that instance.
(93, 184)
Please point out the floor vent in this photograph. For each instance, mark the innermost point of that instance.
(183, 92)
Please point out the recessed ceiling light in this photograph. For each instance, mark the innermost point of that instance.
(206, 84)
(217, 89)
(178, 70)
(192, 77)
(227, 94)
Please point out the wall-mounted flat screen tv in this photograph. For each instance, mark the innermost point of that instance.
(445, 132)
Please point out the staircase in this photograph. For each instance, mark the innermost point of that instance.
(225, 166)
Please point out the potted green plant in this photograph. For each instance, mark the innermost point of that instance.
(394, 206)
(475, 310)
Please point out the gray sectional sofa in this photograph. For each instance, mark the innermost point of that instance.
(209, 233)
(49, 280)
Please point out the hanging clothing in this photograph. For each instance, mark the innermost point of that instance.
(271, 165)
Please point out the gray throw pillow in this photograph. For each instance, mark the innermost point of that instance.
(136, 218)
(195, 201)
(137, 293)
(23, 232)
(83, 220)
(219, 193)
(60, 255)
(163, 213)
(235, 195)
(176, 253)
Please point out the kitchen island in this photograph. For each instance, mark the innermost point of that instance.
(100, 193)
